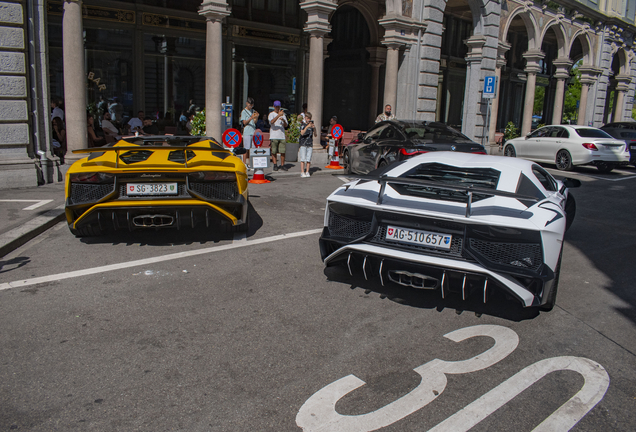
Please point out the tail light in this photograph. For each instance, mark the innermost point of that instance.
(405, 152)
(481, 152)
(590, 146)
(91, 178)
(213, 176)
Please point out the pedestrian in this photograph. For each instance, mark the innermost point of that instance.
(278, 123)
(192, 107)
(248, 120)
(136, 124)
(188, 125)
(59, 139)
(110, 130)
(56, 111)
(386, 115)
(93, 139)
(303, 114)
(116, 110)
(307, 134)
(262, 124)
(149, 127)
(326, 136)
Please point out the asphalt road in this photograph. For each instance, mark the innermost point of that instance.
(188, 331)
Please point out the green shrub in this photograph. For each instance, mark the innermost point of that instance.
(511, 131)
(292, 134)
(198, 123)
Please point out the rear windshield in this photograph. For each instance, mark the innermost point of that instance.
(592, 133)
(630, 135)
(434, 132)
(486, 178)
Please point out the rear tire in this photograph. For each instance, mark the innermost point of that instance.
(605, 167)
(509, 151)
(347, 163)
(549, 305)
(563, 160)
(87, 231)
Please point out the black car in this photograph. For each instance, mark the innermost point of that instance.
(395, 140)
(625, 131)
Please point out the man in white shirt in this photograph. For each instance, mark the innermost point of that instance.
(56, 110)
(109, 128)
(278, 123)
(137, 123)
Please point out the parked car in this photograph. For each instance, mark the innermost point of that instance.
(468, 224)
(625, 131)
(567, 146)
(395, 140)
(154, 182)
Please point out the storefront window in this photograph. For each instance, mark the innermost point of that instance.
(174, 74)
(108, 65)
(266, 75)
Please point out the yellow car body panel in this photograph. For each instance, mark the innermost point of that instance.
(211, 185)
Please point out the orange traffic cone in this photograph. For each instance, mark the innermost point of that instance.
(335, 161)
(259, 177)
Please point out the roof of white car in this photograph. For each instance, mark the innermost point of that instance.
(471, 160)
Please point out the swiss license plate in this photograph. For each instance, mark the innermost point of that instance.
(418, 237)
(136, 189)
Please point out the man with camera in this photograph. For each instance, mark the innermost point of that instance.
(307, 132)
(248, 121)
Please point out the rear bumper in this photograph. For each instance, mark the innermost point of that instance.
(142, 215)
(467, 278)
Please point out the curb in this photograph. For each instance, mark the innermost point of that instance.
(15, 238)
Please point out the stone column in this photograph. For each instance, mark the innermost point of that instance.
(214, 13)
(622, 86)
(317, 26)
(399, 31)
(472, 93)
(391, 75)
(562, 73)
(377, 57)
(74, 79)
(532, 68)
(589, 75)
(494, 108)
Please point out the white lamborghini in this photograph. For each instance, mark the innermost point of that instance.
(454, 222)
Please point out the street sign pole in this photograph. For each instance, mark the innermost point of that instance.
(490, 91)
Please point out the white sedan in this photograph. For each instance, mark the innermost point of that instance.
(567, 146)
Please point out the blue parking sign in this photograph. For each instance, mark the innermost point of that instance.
(490, 87)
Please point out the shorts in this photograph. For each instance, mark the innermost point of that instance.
(304, 153)
(278, 146)
(247, 141)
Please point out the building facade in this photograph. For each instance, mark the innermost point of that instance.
(426, 58)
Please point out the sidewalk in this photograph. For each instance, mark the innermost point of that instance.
(27, 212)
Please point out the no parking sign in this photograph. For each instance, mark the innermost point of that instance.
(337, 131)
(231, 138)
(258, 138)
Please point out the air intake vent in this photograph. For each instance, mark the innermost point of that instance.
(340, 226)
(523, 255)
(86, 193)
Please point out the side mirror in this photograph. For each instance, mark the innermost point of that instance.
(367, 140)
(360, 136)
(528, 135)
(571, 183)
(239, 151)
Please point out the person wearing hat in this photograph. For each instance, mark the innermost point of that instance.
(327, 136)
(278, 123)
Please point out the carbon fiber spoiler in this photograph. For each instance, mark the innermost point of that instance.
(469, 190)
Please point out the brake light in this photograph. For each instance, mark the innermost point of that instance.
(590, 146)
(411, 153)
(481, 152)
(92, 178)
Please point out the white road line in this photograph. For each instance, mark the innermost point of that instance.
(154, 260)
(345, 179)
(38, 203)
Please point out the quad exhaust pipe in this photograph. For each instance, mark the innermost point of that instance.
(415, 280)
(153, 221)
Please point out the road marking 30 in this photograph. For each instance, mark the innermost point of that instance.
(318, 413)
(154, 260)
(38, 203)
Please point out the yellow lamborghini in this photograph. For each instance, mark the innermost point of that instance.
(152, 182)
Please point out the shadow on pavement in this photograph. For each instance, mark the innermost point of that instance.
(13, 264)
(498, 305)
(172, 236)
